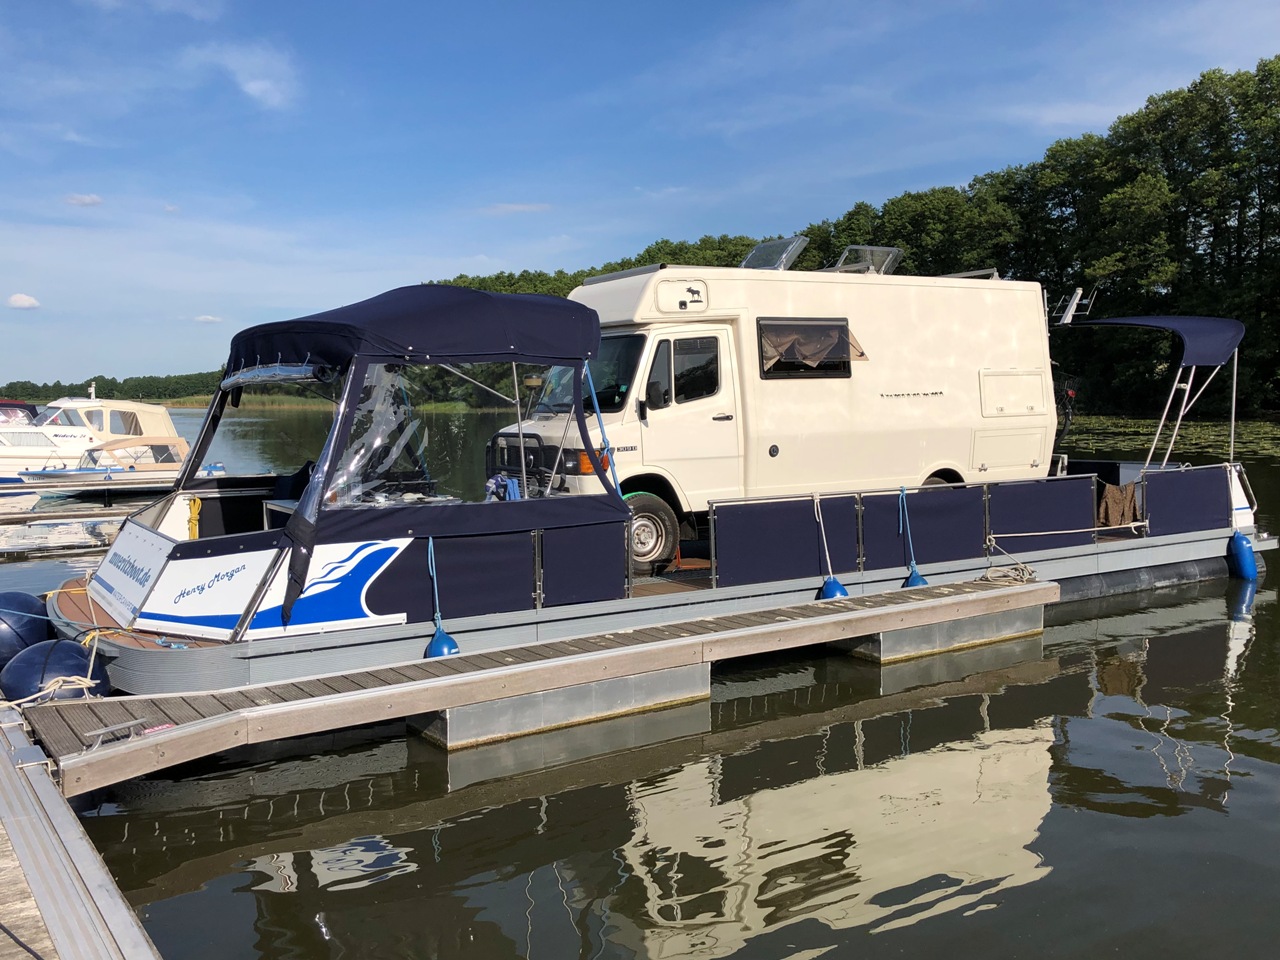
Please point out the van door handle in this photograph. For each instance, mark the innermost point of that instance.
(723, 416)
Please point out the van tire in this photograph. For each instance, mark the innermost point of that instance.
(941, 478)
(654, 533)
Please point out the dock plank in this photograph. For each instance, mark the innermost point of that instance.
(317, 688)
(205, 704)
(289, 691)
(176, 710)
(52, 730)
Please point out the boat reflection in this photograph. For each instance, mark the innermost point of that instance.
(811, 799)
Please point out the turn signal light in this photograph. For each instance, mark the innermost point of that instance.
(584, 462)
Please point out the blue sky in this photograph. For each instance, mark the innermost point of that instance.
(172, 171)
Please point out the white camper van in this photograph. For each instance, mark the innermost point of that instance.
(717, 383)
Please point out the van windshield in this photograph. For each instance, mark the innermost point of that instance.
(613, 372)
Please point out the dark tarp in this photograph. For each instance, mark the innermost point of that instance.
(427, 321)
(1206, 341)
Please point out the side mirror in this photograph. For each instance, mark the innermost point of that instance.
(655, 397)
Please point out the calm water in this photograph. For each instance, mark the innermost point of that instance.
(1110, 790)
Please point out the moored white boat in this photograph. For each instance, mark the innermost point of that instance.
(138, 461)
(67, 427)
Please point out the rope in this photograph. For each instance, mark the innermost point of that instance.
(904, 523)
(822, 530)
(914, 578)
(1133, 527)
(193, 521)
(1018, 573)
(51, 687)
(431, 569)
(604, 440)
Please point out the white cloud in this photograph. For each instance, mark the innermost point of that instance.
(20, 301)
(262, 72)
(172, 208)
(84, 199)
(206, 318)
(503, 209)
(206, 10)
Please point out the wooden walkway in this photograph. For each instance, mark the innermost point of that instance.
(95, 743)
(57, 899)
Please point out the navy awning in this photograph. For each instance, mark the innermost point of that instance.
(427, 321)
(1206, 341)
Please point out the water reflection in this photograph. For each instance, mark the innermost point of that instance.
(825, 803)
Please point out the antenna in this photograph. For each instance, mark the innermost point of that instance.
(1067, 307)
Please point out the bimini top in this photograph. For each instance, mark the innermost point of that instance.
(1206, 341)
(424, 322)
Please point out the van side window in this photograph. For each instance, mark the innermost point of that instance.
(697, 365)
(658, 386)
(806, 348)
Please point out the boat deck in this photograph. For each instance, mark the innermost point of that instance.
(75, 604)
(94, 743)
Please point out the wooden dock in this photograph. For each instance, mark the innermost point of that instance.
(57, 899)
(95, 743)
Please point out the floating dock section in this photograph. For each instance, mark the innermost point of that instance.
(472, 699)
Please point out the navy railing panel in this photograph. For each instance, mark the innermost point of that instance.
(779, 540)
(1068, 503)
(477, 575)
(947, 523)
(1180, 501)
(584, 564)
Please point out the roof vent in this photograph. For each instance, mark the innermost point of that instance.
(775, 254)
(860, 259)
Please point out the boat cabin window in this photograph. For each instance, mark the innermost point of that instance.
(60, 417)
(792, 349)
(124, 422)
(94, 418)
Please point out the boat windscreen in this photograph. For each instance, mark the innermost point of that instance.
(417, 433)
(274, 373)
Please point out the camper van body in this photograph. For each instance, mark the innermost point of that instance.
(712, 383)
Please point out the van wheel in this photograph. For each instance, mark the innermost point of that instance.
(654, 533)
(941, 479)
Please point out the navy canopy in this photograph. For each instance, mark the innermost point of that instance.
(1206, 341)
(427, 321)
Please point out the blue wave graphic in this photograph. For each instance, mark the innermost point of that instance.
(336, 594)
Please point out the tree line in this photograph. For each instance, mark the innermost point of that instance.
(170, 387)
(1175, 210)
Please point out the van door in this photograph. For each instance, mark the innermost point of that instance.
(693, 431)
